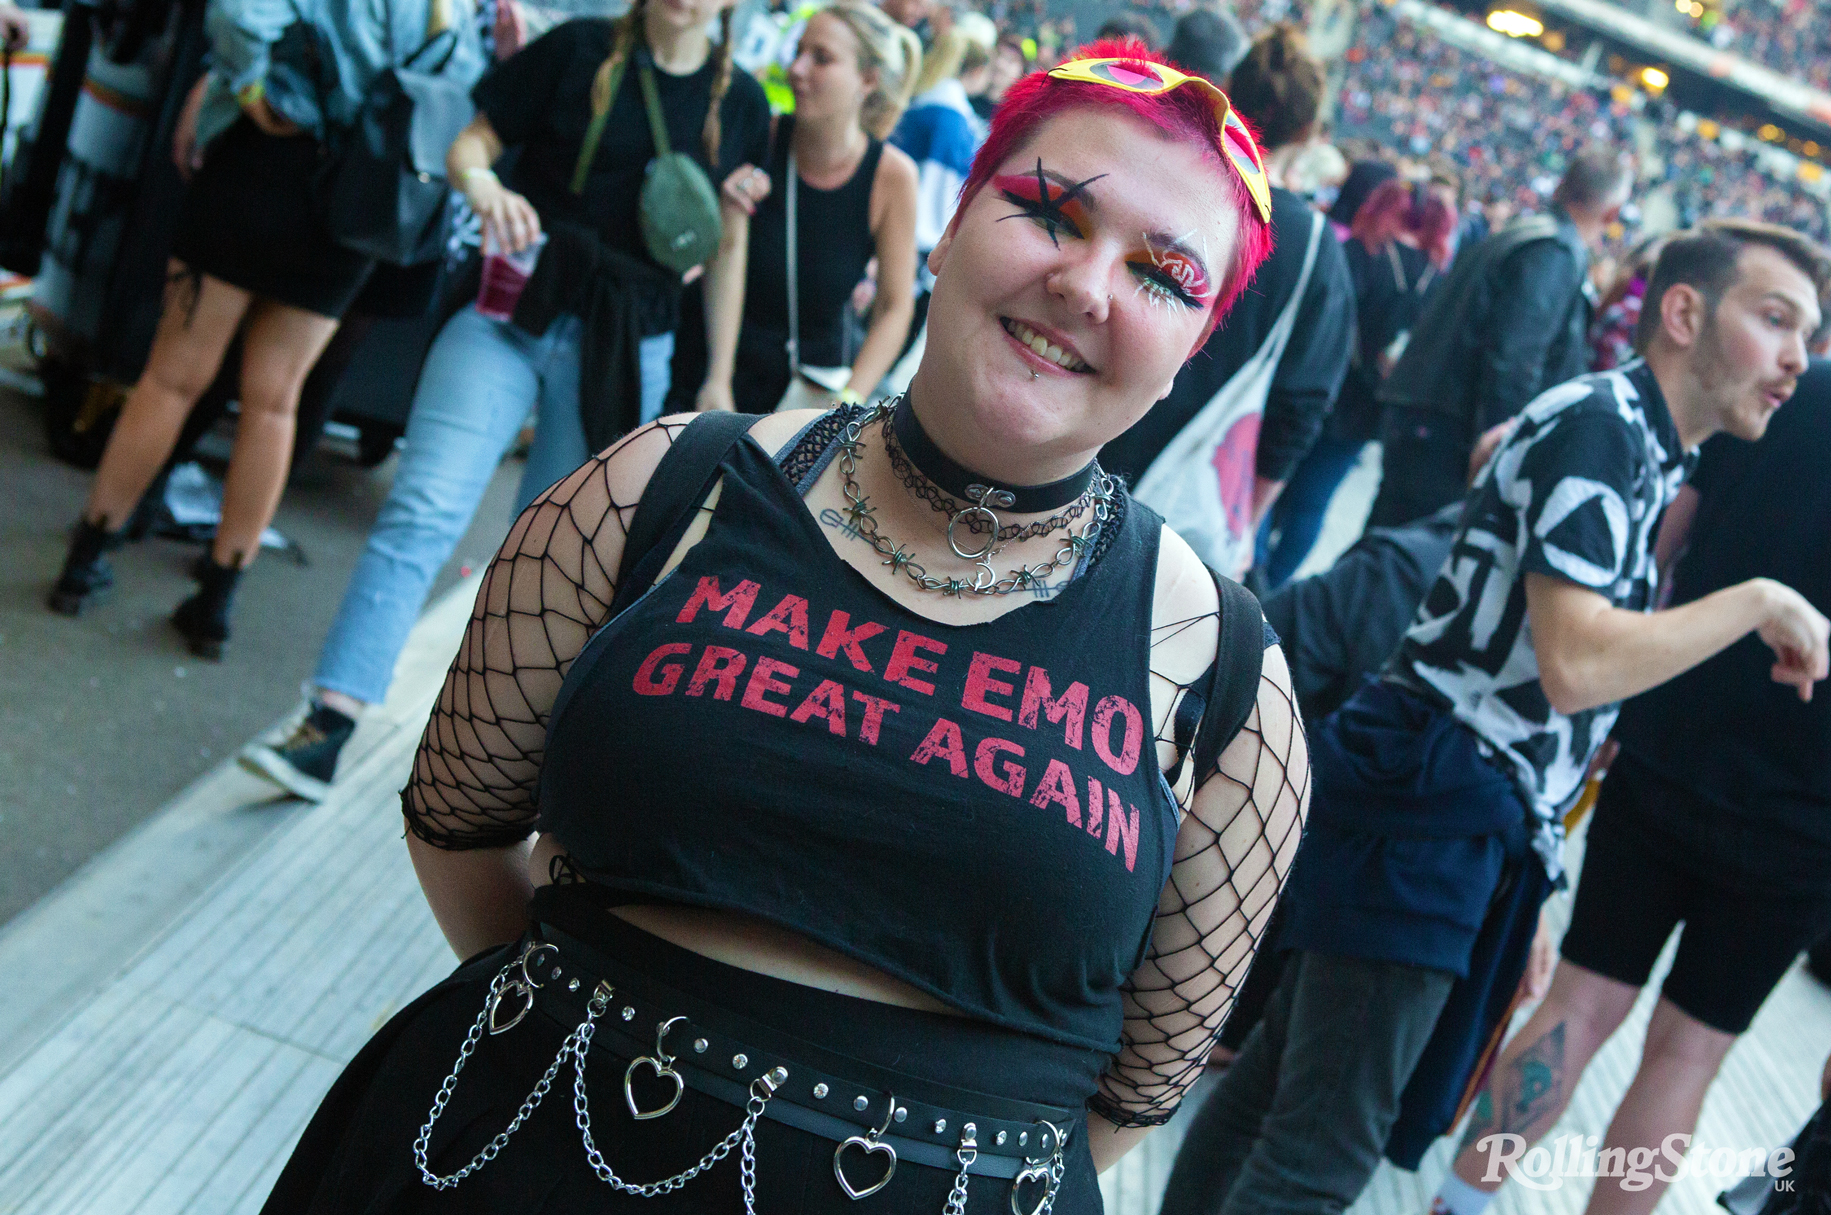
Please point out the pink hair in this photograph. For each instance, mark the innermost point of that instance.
(1396, 206)
(1184, 113)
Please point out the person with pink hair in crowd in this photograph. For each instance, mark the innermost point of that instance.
(1399, 242)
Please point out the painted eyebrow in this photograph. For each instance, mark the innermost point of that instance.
(1072, 190)
(1166, 243)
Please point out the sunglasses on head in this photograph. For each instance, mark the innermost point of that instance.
(1151, 79)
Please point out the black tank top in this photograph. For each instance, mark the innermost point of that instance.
(974, 809)
(834, 242)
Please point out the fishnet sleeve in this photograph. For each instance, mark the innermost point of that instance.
(546, 592)
(1238, 837)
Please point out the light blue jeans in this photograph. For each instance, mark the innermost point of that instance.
(481, 378)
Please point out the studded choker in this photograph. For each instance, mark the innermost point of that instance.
(959, 481)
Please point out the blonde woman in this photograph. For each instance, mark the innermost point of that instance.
(940, 131)
(855, 200)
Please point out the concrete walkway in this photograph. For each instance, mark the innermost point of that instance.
(178, 1007)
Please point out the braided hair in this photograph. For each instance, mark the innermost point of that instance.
(625, 36)
(720, 82)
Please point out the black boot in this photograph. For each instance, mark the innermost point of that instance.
(204, 617)
(87, 574)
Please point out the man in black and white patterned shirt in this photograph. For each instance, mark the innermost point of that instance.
(1574, 495)
(1434, 831)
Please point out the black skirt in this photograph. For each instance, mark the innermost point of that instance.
(357, 1155)
(248, 219)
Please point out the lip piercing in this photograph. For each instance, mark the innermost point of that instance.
(1035, 375)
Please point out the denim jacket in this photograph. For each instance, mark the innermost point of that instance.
(318, 57)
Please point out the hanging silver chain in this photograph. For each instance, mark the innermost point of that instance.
(599, 1001)
(966, 1153)
(744, 1134)
(576, 1047)
(1056, 1168)
(1057, 1165)
(860, 516)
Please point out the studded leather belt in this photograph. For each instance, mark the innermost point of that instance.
(675, 1042)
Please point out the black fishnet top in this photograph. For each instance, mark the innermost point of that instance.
(477, 769)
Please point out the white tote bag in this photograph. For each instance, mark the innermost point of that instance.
(808, 387)
(1202, 483)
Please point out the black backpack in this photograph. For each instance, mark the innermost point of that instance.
(383, 191)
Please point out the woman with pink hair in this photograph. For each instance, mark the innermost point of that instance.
(879, 794)
(1400, 241)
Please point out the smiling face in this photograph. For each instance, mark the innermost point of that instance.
(1071, 289)
(825, 73)
(1753, 348)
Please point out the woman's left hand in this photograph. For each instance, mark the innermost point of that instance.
(264, 116)
(747, 186)
(185, 152)
(510, 29)
(715, 395)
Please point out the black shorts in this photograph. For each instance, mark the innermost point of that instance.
(249, 220)
(1750, 896)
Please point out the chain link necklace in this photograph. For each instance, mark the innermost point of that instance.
(861, 516)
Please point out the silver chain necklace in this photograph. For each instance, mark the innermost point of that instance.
(861, 517)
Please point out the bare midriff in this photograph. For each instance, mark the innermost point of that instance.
(756, 945)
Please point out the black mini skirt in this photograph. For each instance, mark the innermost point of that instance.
(358, 1153)
(249, 220)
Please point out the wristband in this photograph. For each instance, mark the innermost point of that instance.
(477, 171)
(251, 94)
(849, 396)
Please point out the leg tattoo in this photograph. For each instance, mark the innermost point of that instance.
(1537, 1082)
(1521, 1093)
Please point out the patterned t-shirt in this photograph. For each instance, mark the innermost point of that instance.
(1575, 493)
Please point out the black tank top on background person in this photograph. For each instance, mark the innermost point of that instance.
(974, 809)
(834, 235)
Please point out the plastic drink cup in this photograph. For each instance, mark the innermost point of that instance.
(505, 274)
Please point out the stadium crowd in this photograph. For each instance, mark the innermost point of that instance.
(1511, 135)
(1793, 37)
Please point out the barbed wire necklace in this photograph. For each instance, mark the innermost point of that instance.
(940, 480)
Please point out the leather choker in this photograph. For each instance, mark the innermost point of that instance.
(957, 481)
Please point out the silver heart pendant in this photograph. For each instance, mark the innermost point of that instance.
(870, 1148)
(495, 1006)
(662, 1071)
(1030, 1172)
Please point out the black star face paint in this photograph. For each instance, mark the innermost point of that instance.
(1050, 201)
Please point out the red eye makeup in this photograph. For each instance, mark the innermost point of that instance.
(1052, 203)
(1169, 271)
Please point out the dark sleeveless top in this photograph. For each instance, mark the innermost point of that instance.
(975, 809)
(835, 244)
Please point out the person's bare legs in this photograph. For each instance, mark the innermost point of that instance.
(279, 346)
(1680, 1059)
(1539, 1069)
(199, 319)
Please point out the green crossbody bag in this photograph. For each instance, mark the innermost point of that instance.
(678, 205)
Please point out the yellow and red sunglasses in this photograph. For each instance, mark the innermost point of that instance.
(1151, 79)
